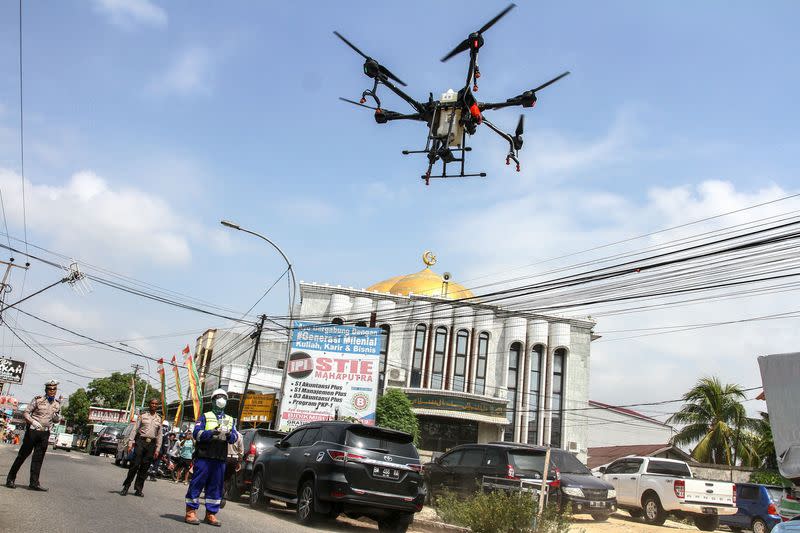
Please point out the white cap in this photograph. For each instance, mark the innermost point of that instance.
(51, 382)
(219, 392)
(165, 423)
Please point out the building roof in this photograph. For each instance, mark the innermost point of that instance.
(425, 282)
(603, 455)
(627, 412)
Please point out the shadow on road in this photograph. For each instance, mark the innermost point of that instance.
(288, 515)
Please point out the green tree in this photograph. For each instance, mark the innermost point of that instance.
(394, 412)
(714, 420)
(764, 444)
(113, 391)
(77, 410)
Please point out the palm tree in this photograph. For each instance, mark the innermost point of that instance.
(716, 423)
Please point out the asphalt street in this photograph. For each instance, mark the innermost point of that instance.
(84, 496)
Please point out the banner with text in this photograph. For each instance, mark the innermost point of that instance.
(333, 370)
(11, 371)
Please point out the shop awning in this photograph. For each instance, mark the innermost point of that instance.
(486, 419)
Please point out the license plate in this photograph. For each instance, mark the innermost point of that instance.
(385, 473)
(709, 510)
(597, 504)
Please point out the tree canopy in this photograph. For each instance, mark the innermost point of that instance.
(77, 410)
(113, 391)
(714, 420)
(394, 412)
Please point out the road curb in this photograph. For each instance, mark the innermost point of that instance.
(434, 526)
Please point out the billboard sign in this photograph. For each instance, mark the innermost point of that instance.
(104, 414)
(332, 371)
(258, 407)
(11, 371)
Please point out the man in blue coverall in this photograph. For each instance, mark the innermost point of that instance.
(212, 433)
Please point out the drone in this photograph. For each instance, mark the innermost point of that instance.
(455, 115)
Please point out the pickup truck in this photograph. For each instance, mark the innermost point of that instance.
(63, 441)
(654, 488)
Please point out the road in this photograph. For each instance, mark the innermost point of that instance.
(84, 496)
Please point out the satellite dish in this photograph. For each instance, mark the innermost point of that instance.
(446, 276)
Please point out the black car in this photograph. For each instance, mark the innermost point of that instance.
(328, 468)
(503, 465)
(106, 441)
(254, 442)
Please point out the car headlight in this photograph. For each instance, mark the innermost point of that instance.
(612, 493)
(572, 491)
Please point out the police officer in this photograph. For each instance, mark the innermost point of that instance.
(40, 414)
(146, 436)
(213, 431)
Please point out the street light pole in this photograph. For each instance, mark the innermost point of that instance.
(292, 295)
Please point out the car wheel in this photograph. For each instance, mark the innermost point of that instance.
(306, 503)
(653, 512)
(759, 526)
(257, 499)
(706, 523)
(600, 517)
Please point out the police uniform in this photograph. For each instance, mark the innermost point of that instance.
(146, 436)
(210, 457)
(40, 415)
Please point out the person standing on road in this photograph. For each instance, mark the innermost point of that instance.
(212, 433)
(234, 463)
(146, 435)
(185, 458)
(41, 414)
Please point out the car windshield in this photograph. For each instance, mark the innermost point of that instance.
(569, 464)
(381, 441)
(264, 441)
(113, 432)
(525, 462)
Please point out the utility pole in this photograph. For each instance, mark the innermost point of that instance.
(257, 336)
(136, 369)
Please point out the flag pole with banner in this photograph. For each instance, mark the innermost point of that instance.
(194, 381)
(179, 412)
(163, 389)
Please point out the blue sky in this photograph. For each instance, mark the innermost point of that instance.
(147, 122)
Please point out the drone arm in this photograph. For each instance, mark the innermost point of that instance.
(512, 151)
(392, 115)
(418, 107)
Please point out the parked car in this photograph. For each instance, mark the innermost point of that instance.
(121, 457)
(790, 526)
(328, 468)
(758, 508)
(789, 506)
(655, 488)
(463, 469)
(63, 441)
(254, 442)
(106, 441)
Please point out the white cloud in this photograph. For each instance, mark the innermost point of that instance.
(189, 72)
(88, 217)
(128, 14)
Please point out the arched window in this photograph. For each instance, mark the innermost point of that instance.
(439, 348)
(480, 371)
(559, 366)
(537, 355)
(513, 374)
(338, 321)
(460, 369)
(385, 329)
(419, 353)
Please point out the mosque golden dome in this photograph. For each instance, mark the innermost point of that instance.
(425, 282)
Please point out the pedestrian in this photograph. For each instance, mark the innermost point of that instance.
(162, 451)
(185, 458)
(212, 433)
(40, 415)
(173, 452)
(233, 464)
(146, 436)
(15, 439)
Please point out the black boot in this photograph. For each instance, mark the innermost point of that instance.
(11, 484)
(37, 487)
(124, 491)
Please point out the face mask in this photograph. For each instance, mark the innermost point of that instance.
(221, 403)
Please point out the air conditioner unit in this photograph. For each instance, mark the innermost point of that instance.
(573, 446)
(397, 374)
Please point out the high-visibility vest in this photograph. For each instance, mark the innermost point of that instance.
(214, 448)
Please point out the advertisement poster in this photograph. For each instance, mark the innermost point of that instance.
(11, 371)
(258, 407)
(333, 370)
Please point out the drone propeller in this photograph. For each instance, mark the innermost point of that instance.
(474, 38)
(369, 62)
(518, 132)
(356, 103)
(542, 86)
